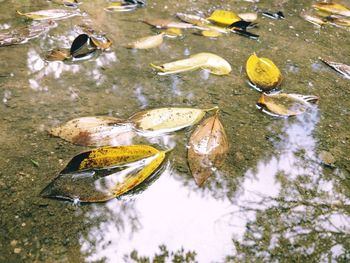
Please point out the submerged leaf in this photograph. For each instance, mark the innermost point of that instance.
(22, 34)
(339, 67)
(58, 54)
(95, 131)
(101, 42)
(105, 173)
(208, 147)
(121, 7)
(208, 61)
(163, 23)
(163, 120)
(339, 22)
(147, 42)
(263, 73)
(332, 8)
(192, 19)
(285, 105)
(50, 14)
(224, 17)
(210, 33)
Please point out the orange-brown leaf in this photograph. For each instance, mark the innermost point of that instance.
(208, 147)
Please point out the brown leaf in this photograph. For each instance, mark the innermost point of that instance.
(208, 147)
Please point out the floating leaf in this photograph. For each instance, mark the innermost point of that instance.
(147, 42)
(58, 54)
(95, 131)
(82, 46)
(208, 147)
(121, 7)
(339, 67)
(332, 8)
(192, 19)
(163, 23)
(163, 120)
(208, 61)
(313, 19)
(105, 173)
(22, 34)
(263, 73)
(285, 105)
(101, 42)
(50, 14)
(337, 21)
(210, 33)
(173, 32)
(224, 17)
(249, 17)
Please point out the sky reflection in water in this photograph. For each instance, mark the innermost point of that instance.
(169, 213)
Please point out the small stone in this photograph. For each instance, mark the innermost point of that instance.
(23, 224)
(327, 158)
(14, 243)
(17, 250)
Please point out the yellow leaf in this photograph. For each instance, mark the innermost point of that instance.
(95, 131)
(285, 105)
(208, 61)
(121, 7)
(173, 32)
(332, 8)
(105, 173)
(208, 147)
(263, 73)
(224, 17)
(164, 120)
(210, 33)
(147, 42)
(101, 42)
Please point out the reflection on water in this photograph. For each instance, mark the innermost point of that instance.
(167, 213)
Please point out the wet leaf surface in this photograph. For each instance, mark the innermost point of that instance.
(211, 62)
(22, 34)
(163, 120)
(51, 14)
(332, 8)
(224, 17)
(147, 42)
(285, 105)
(339, 67)
(263, 73)
(95, 131)
(208, 147)
(105, 173)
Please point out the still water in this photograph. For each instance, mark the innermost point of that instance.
(273, 200)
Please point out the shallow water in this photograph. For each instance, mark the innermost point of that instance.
(273, 200)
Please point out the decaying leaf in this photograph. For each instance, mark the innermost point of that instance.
(163, 120)
(58, 54)
(249, 17)
(105, 173)
(101, 42)
(339, 22)
(147, 42)
(22, 34)
(313, 19)
(95, 131)
(208, 61)
(210, 33)
(163, 23)
(52, 14)
(339, 67)
(263, 73)
(192, 19)
(285, 105)
(224, 17)
(332, 8)
(208, 147)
